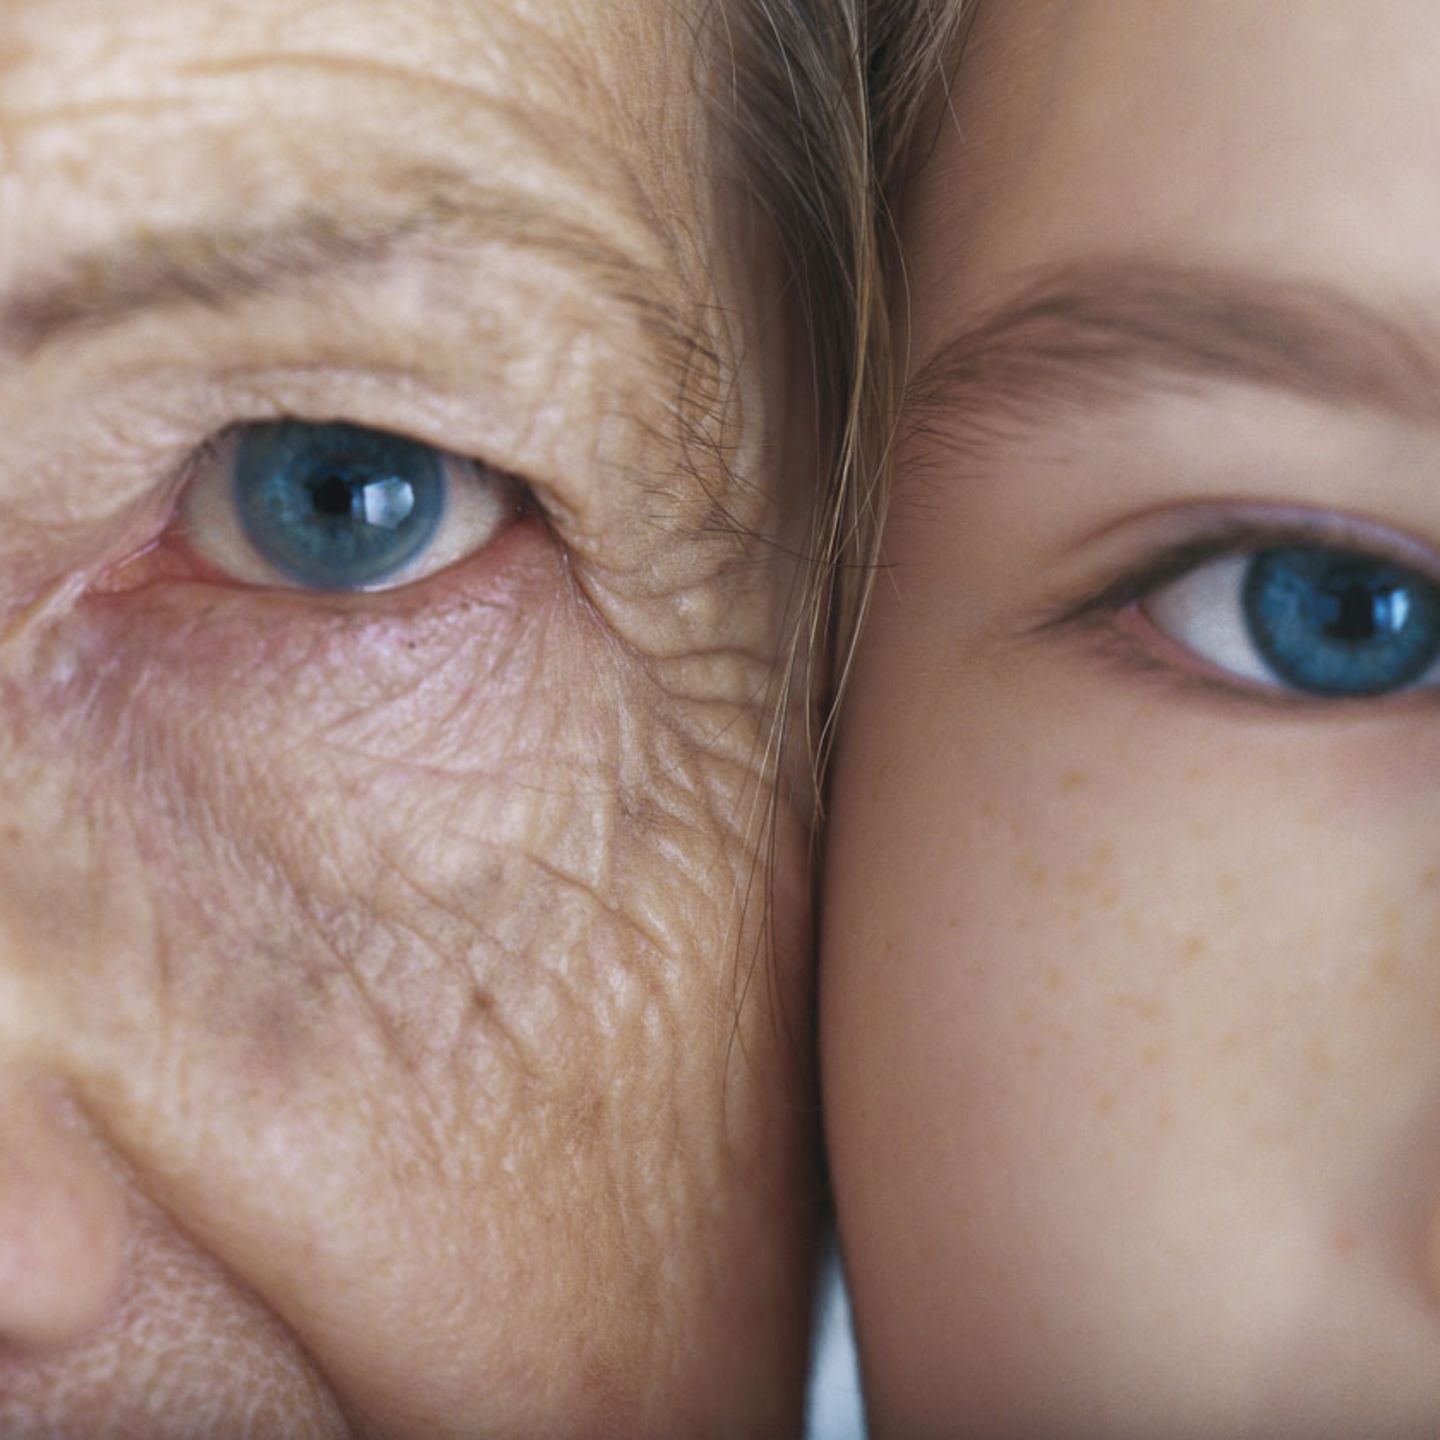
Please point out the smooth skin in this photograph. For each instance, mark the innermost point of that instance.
(1130, 1004)
(380, 1047)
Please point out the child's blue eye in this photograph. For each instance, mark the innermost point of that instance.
(1332, 623)
(337, 507)
(1308, 618)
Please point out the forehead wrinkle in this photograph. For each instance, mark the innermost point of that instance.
(220, 267)
(609, 156)
(1110, 330)
(605, 179)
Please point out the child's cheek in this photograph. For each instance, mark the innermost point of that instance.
(1153, 990)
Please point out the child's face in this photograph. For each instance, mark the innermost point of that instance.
(1131, 1001)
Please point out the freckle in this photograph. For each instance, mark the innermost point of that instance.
(987, 810)
(1196, 772)
(1034, 1050)
(1025, 1015)
(1344, 1242)
(1386, 967)
(1141, 1005)
(1152, 1054)
(1130, 924)
(1106, 1103)
(1031, 872)
(1109, 897)
(1104, 854)
(1431, 877)
(1227, 885)
(1054, 977)
(1074, 780)
(1319, 1058)
(1194, 947)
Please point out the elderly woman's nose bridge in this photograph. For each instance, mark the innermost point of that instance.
(63, 1221)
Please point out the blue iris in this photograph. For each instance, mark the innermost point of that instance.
(337, 507)
(1331, 622)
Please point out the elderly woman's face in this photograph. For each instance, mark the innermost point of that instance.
(378, 814)
(1131, 975)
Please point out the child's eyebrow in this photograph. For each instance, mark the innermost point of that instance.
(1109, 329)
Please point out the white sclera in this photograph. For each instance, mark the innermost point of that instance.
(1203, 611)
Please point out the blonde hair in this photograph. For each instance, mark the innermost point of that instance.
(824, 104)
(828, 98)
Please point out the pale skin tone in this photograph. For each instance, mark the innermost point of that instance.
(1130, 1011)
(380, 1049)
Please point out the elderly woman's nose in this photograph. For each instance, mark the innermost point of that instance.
(63, 1222)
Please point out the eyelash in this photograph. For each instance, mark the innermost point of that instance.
(1116, 615)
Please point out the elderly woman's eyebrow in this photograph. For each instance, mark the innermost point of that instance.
(1110, 330)
(218, 267)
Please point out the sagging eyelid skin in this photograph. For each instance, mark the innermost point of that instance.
(387, 762)
(1129, 991)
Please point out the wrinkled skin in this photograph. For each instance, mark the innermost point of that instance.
(397, 1034)
(1130, 1009)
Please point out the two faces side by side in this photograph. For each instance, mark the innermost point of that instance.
(404, 927)
(1130, 1011)
(439, 1121)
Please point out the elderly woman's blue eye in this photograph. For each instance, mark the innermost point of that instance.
(337, 507)
(1307, 618)
(340, 507)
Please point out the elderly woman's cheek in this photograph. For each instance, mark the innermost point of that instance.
(395, 944)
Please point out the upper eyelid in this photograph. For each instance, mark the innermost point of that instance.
(145, 435)
(1239, 534)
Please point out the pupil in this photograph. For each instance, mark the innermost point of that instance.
(333, 496)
